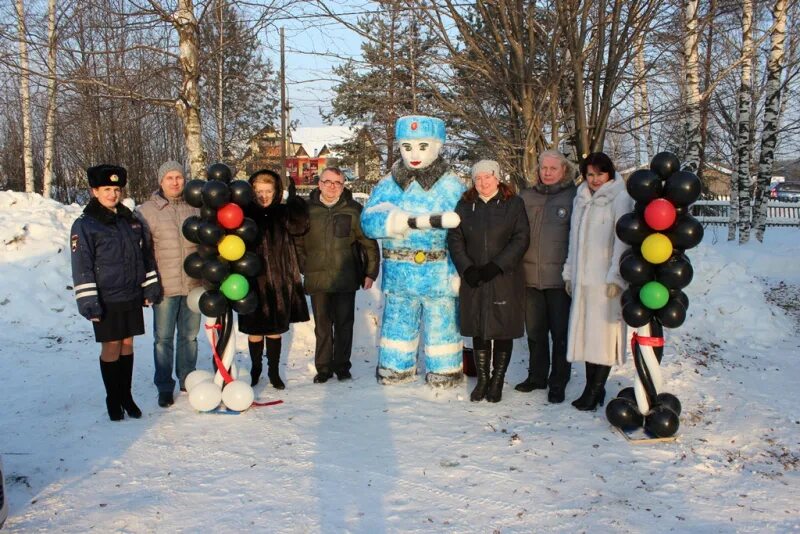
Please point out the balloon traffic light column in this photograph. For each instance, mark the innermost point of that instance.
(223, 263)
(659, 230)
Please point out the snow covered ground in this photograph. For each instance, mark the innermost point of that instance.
(360, 457)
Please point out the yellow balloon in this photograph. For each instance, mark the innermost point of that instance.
(657, 248)
(231, 247)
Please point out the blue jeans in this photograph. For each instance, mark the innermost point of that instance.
(172, 312)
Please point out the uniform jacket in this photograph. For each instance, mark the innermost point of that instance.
(596, 330)
(110, 260)
(330, 265)
(549, 209)
(434, 278)
(164, 221)
(494, 231)
(280, 287)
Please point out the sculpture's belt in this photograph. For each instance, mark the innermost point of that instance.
(416, 256)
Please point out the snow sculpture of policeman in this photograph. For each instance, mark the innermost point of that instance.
(410, 211)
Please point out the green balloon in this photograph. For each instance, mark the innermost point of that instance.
(654, 295)
(235, 287)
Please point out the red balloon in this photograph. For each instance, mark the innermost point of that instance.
(660, 214)
(230, 216)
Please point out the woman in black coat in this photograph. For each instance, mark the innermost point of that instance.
(281, 299)
(487, 250)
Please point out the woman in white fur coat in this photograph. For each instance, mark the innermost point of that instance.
(591, 273)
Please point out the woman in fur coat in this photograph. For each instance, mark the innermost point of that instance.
(591, 273)
(281, 299)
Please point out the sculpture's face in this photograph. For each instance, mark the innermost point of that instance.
(419, 153)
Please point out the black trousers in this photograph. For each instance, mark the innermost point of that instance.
(547, 316)
(334, 314)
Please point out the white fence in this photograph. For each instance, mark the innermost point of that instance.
(718, 212)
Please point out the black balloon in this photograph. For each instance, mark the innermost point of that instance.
(241, 193)
(209, 214)
(247, 265)
(672, 315)
(626, 297)
(675, 273)
(669, 400)
(215, 270)
(680, 296)
(219, 172)
(216, 194)
(627, 393)
(193, 192)
(207, 251)
(190, 227)
(213, 303)
(193, 265)
(635, 270)
(664, 164)
(681, 210)
(623, 413)
(662, 422)
(639, 208)
(246, 305)
(687, 233)
(636, 314)
(210, 234)
(631, 229)
(682, 188)
(247, 231)
(644, 185)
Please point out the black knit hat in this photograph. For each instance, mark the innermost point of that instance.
(103, 175)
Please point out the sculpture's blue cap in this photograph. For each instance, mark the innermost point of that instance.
(419, 127)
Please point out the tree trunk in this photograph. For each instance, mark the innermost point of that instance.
(692, 159)
(188, 104)
(704, 102)
(50, 122)
(740, 199)
(220, 86)
(25, 94)
(772, 109)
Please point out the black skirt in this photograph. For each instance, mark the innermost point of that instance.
(120, 320)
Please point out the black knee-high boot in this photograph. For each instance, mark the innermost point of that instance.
(273, 359)
(125, 382)
(256, 353)
(483, 360)
(501, 360)
(597, 388)
(587, 390)
(110, 373)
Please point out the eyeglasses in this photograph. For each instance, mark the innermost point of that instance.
(331, 183)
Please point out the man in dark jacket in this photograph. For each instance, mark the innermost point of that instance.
(549, 207)
(334, 270)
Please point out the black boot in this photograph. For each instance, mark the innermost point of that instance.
(110, 372)
(501, 361)
(529, 384)
(256, 349)
(125, 382)
(538, 367)
(482, 363)
(587, 391)
(273, 359)
(596, 389)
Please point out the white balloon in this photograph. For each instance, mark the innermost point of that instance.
(238, 395)
(193, 299)
(196, 377)
(205, 396)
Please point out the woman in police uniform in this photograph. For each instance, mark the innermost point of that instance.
(114, 275)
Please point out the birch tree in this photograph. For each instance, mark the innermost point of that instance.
(25, 97)
(740, 178)
(50, 121)
(691, 161)
(769, 132)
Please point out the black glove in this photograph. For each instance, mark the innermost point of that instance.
(489, 271)
(472, 276)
